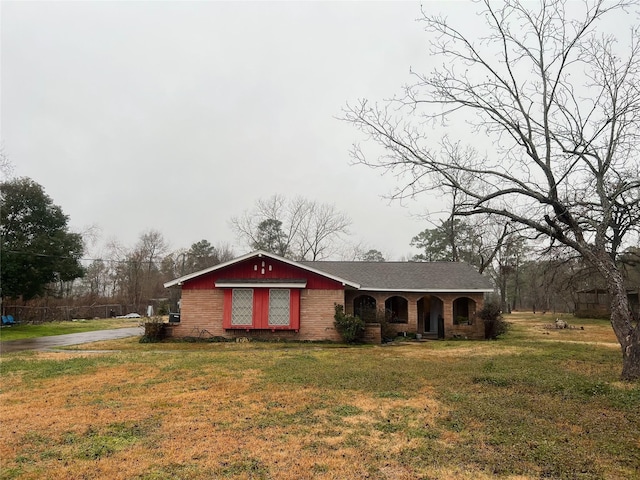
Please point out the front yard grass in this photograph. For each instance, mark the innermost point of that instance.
(539, 403)
(21, 331)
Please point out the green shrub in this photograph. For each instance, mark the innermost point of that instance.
(494, 324)
(154, 330)
(163, 309)
(350, 328)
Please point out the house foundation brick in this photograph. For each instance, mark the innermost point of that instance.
(372, 333)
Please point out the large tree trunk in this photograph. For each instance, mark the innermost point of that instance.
(628, 335)
(631, 358)
(622, 321)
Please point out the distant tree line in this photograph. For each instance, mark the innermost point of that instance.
(41, 258)
(528, 275)
(44, 264)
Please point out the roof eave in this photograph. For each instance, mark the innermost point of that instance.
(428, 290)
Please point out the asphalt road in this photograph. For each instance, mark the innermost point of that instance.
(43, 343)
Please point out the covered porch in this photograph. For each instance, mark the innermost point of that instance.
(432, 315)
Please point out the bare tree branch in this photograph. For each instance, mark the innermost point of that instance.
(308, 230)
(560, 103)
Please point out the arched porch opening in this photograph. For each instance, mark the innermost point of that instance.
(464, 309)
(430, 310)
(397, 309)
(364, 306)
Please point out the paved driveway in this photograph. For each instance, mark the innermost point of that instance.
(42, 343)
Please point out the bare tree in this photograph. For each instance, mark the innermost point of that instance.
(96, 281)
(268, 212)
(321, 224)
(6, 167)
(151, 247)
(149, 251)
(127, 273)
(355, 252)
(560, 103)
(298, 228)
(137, 271)
(372, 255)
(225, 252)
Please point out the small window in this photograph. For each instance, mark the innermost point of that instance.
(279, 302)
(463, 309)
(242, 306)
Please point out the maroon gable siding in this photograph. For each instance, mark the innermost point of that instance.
(262, 269)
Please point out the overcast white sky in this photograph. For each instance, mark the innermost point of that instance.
(176, 116)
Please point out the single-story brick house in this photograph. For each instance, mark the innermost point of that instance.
(264, 295)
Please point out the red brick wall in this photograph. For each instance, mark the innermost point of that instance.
(316, 314)
(200, 314)
(202, 311)
(474, 331)
(372, 333)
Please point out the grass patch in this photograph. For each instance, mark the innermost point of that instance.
(96, 443)
(528, 406)
(21, 331)
(346, 410)
(349, 369)
(32, 367)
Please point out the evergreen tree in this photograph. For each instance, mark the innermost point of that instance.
(37, 246)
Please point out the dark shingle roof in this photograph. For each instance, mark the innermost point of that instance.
(381, 276)
(407, 276)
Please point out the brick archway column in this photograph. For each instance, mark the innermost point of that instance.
(447, 313)
(380, 298)
(412, 314)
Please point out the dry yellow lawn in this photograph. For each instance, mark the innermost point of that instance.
(199, 420)
(422, 410)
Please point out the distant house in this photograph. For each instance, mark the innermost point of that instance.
(596, 303)
(263, 295)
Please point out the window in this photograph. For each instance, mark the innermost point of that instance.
(279, 302)
(242, 307)
(463, 310)
(261, 309)
(364, 307)
(396, 309)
